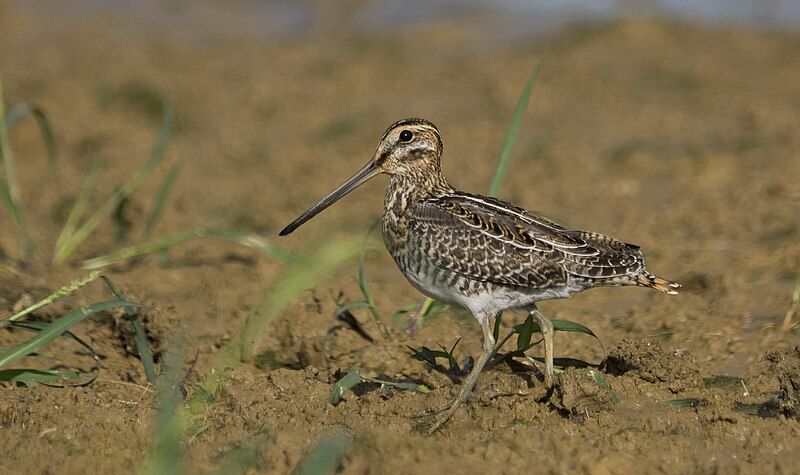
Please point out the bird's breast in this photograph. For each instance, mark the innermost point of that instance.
(395, 219)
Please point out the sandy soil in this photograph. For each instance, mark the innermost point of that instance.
(680, 139)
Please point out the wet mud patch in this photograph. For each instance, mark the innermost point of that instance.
(647, 361)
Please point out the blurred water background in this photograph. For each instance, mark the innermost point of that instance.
(488, 21)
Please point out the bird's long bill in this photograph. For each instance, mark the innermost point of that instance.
(369, 171)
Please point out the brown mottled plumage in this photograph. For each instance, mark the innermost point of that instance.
(482, 253)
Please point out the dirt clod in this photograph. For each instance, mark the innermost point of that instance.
(786, 365)
(650, 363)
(580, 394)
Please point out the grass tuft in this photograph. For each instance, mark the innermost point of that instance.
(9, 189)
(71, 242)
(79, 207)
(45, 129)
(75, 231)
(47, 332)
(57, 328)
(32, 377)
(145, 355)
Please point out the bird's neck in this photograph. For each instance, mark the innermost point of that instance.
(406, 188)
(401, 194)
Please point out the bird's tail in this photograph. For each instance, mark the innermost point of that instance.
(664, 285)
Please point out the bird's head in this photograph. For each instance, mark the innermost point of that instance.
(408, 147)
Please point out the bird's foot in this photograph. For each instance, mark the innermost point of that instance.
(442, 414)
(445, 415)
(439, 410)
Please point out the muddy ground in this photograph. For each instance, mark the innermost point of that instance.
(679, 138)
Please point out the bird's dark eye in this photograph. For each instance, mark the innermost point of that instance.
(406, 136)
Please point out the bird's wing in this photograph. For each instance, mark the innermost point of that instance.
(490, 240)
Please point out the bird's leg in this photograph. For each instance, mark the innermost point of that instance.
(548, 335)
(416, 317)
(472, 378)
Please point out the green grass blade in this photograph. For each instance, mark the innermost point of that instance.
(111, 204)
(79, 207)
(573, 327)
(568, 326)
(558, 325)
(56, 328)
(180, 237)
(525, 330)
(325, 457)
(601, 381)
(62, 292)
(513, 131)
(36, 377)
(9, 189)
(142, 346)
(525, 334)
(362, 275)
(722, 381)
(498, 321)
(796, 293)
(354, 377)
(45, 129)
(250, 240)
(429, 356)
(33, 377)
(417, 388)
(165, 457)
(794, 308)
(160, 201)
(364, 285)
(9, 164)
(347, 382)
(130, 252)
(426, 306)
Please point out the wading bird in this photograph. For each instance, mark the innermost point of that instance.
(483, 254)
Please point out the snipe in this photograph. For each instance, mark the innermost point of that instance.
(478, 252)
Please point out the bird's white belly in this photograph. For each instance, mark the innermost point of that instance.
(489, 300)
